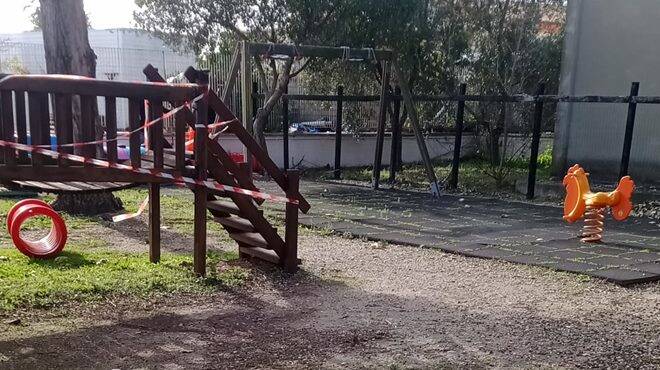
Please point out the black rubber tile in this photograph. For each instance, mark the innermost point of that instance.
(530, 260)
(603, 249)
(652, 267)
(568, 254)
(642, 256)
(624, 276)
(572, 266)
(611, 261)
(491, 252)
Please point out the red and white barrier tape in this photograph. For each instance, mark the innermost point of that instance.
(186, 181)
(137, 213)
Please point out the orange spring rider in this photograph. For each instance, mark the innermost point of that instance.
(581, 202)
(47, 247)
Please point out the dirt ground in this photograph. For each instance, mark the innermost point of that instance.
(356, 304)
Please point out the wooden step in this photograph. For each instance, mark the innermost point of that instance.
(235, 222)
(252, 239)
(264, 254)
(223, 206)
(261, 253)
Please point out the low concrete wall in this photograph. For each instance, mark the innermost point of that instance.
(318, 150)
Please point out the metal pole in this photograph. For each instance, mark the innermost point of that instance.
(456, 161)
(285, 128)
(338, 131)
(396, 135)
(382, 118)
(536, 139)
(630, 125)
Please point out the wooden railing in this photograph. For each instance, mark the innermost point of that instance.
(28, 103)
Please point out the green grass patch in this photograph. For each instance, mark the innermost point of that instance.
(474, 174)
(88, 274)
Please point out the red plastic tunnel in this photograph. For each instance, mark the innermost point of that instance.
(47, 247)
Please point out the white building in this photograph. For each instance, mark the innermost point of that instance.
(121, 55)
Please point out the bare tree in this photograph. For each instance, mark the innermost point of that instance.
(66, 44)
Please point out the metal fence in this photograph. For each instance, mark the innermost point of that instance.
(120, 64)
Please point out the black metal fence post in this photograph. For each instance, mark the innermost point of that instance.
(338, 131)
(285, 128)
(456, 160)
(536, 139)
(396, 135)
(630, 125)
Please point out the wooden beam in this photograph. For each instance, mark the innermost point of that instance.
(233, 74)
(76, 173)
(414, 120)
(246, 99)
(310, 51)
(66, 84)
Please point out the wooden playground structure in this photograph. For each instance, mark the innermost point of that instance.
(36, 107)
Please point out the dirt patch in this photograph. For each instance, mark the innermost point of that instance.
(358, 304)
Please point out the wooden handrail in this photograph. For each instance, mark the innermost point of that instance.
(67, 84)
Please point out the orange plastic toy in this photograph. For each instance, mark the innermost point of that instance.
(581, 202)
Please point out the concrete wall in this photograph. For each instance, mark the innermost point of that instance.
(318, 150)
(609, 44)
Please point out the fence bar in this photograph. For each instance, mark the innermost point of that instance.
(396, 135)
(382, 119)
(285, 130)
(458, 138)
(536, 139)
(338, 131)
(630, 125)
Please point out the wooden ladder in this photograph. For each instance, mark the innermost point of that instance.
(240, 215)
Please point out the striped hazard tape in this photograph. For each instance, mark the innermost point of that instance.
(182, 180)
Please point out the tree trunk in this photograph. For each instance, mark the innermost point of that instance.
(67, 49)
(261, 117)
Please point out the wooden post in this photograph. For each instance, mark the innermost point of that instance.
(338, 131)
(458, 137)
(630, 125)
(155, 133)
(291, 227)
(414, 120)
(382, 119)
(285, 128)
(201, 137)
(536, 139)
(396, 135)
(246, 98)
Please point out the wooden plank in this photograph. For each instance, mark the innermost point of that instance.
(111, 128)
(364, 54)
(233, 74)
(252, 239)
(87, 125)
(249, 211)
(66, 84)
(21, 124)
(419, 136)
(65, 174)
(290, 260)
(382, 119)
(246, 98)
(234, 222)
(156, 132)
(154, 223)
(235, 127)
(134, 124)
(260, 253)
(7, 116)
(180, 126)
(63, 123)
(39, 124)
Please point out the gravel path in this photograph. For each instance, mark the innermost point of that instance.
(361, 304)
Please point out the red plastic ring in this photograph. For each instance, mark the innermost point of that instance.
(47, 247)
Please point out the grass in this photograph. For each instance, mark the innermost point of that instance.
(89, 269)
(87, 275)
(475, 175)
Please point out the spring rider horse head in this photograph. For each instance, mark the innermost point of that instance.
(581, 202)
